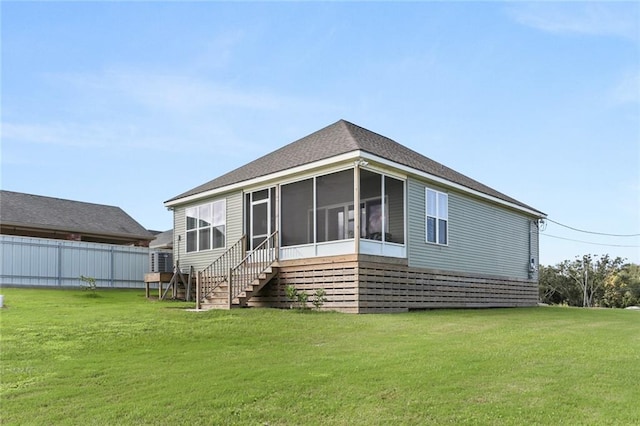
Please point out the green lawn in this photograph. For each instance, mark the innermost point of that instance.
(68, 358)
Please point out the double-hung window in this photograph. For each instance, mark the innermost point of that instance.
(437, 217)
(206, 226)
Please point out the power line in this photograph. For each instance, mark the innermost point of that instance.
(589, 242)
(593, 232)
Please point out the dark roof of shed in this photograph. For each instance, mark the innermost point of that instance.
(339, 138)
(47, 213)
(162, 240)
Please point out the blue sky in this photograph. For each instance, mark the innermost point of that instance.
(130, 104)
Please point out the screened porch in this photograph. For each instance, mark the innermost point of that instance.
(317, 215)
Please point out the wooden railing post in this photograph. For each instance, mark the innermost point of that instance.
(244, 247)
(188, 286)
(230, 279)
(198, 281)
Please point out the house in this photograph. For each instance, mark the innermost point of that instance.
(54, 218)
(162, 241)
(422, 235)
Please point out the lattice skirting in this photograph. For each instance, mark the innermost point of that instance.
(339, 280)
(366, 286)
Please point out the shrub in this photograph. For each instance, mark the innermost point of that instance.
(298, 298)
(302, 300)
(90, 283)
(292, 294)
(319, 298)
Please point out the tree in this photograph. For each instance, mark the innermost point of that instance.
(623, 289)
(555, 288)
(589, 274)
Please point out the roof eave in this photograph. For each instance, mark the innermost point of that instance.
(450, 184)
(272, 176)
(28, 226)
(351, 156)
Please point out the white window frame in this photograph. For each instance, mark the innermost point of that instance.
(438, 213)
(217, 221)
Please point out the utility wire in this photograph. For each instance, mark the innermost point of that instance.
(593, 232)
(589, 242)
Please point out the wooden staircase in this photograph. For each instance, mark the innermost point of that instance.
(228, 283)
(219, 297)
(216, 299)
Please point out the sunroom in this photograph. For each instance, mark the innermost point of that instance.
(315, 213)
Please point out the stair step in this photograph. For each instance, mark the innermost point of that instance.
(216, 297)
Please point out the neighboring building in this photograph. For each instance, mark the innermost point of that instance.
(54, 218)
(162, 240)
(423, 235)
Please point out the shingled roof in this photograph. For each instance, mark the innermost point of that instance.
(27, 211)
(339, 138)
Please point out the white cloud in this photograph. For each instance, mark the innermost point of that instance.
(184, 94)
(61, 134)
(136, 108)
(148, 91)
(172, 92)
(213, 136)
(602, 19)
(124, 109)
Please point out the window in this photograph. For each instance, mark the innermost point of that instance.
(371, 196)
(375, 187)
(394, 200)
(296, 202)
(206, 226)
(437, 217)
(334, 206)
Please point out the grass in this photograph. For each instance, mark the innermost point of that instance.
(68, 358)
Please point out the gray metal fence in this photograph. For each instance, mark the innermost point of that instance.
(29, 261)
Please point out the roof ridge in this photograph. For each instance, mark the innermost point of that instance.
(347, 126)
(351, 126)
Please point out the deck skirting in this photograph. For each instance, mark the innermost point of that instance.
(365, 284)
(339, 279)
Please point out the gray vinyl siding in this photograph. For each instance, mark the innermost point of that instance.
(483, 237)
(202, 259)
(535, 248)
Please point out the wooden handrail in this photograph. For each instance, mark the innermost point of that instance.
(252, 265)
(218, 271)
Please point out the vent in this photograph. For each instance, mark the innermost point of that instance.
(160, 261)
